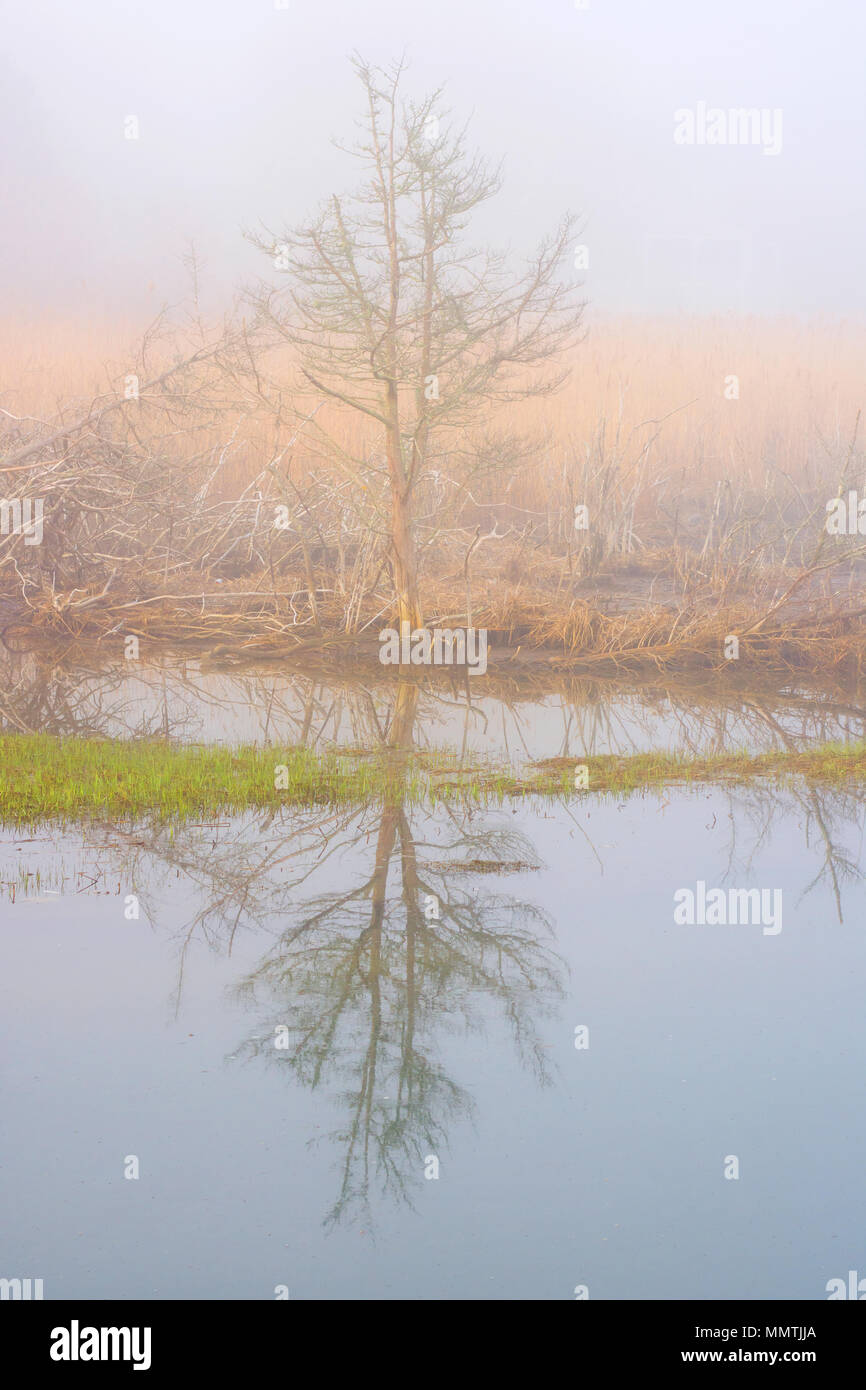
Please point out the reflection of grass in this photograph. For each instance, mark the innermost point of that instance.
(44, 778)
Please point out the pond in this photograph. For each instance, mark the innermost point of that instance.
(435, 1051)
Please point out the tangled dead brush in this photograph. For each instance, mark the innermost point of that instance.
(186, 504)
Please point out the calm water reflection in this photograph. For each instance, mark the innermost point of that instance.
(312, 1006)
(197, 701)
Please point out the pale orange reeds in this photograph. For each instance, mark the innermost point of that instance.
(798, 383)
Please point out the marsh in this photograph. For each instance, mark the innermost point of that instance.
(310, 1003)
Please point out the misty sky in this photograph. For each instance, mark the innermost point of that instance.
(237, 100)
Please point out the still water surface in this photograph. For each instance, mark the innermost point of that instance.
(407, 1038)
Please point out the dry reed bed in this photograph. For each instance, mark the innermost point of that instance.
(706, 513)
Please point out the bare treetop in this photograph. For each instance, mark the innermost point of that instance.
(395, 314)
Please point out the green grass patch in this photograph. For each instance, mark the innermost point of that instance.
(832, 764)
(44, 778)
(49, 779)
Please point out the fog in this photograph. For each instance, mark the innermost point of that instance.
(236, 103)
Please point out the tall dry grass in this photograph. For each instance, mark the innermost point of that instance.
(712, 489)
(799, 382)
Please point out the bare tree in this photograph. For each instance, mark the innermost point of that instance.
(394, 315)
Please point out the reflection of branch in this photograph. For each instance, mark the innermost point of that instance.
(364, 982)
(812, 804)
(364, 979)
(767, 802)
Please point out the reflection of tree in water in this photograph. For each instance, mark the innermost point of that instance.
(49, 694)
(826, 817)
(80, 694)
(365, 979)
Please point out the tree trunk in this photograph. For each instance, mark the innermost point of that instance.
(404, 562)
(403, 557)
